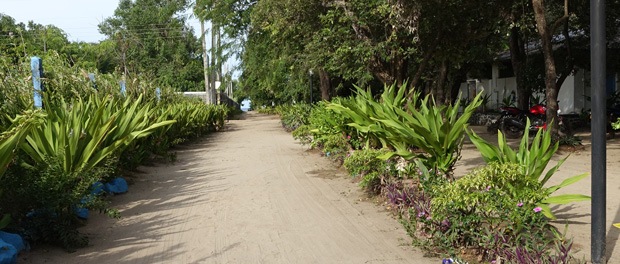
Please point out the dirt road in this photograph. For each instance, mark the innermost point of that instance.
(250, 194)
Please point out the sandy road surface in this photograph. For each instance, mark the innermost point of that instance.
(250, 194)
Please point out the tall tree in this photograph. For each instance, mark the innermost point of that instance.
(553, 82)
(153, 39)
(12, 44)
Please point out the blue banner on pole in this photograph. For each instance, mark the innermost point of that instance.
(91, 76)
(123, 88)
(36, 65)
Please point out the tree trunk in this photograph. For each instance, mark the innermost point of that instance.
(517, 59)
(570, 61)
(325, 85)
(545, 33)
(440, 89)
(459, 77)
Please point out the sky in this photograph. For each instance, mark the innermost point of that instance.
(78, 18)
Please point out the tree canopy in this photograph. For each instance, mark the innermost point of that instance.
(153, 39)
(431, 46)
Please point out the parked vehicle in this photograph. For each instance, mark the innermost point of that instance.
(512, 120)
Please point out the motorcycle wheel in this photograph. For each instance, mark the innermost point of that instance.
(493, 127)
(511, 131)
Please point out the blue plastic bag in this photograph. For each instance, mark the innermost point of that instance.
(8, 253)
(118, 185)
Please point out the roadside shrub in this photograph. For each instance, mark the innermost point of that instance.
(303, 134)
(294, 116)
(415, 128)
(84, 133)
(267, 110)
(532, 248)
(365, 165)
(568, 140)
(335, 147)
(497, 196)
(10, 140)
(48, 196)
(533, 159)
(328, 131)
(490, 214)
(325, 122)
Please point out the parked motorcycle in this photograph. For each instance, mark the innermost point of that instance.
(512, 120)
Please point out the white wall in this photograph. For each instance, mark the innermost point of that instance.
(498, 93)
(566, 96)
(571, 95)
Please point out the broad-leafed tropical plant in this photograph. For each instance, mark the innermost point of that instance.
(82, 134)
(533, 159)
(416, 128)
(363, 111)
(11, 139)
(437, 130)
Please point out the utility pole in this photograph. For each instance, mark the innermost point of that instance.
(213, 60)
(598, 57)
(205, 62)
(219, 62)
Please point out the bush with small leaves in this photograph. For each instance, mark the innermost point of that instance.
(365, 165)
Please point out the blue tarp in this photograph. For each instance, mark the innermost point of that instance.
(10, 246)
(118, 185)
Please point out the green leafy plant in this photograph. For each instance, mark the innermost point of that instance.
(365, 165)
(508, 102)
(533, 160)
(48, 196)
(486, 99)
(335, 147)
(84, 133)
(324, 124)
(10, 140)
(436, 130)
(413, 128)
(294, 116)
(568, 140)
(363, 111)
(303, 134)
(493, 197)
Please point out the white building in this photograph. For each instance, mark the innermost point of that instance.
(572, 98)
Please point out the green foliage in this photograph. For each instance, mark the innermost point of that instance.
(14, 136)
(294, 116)
(52, 156)
(616, 125)
(533, 160)
(495, 195)
(335, 147)
(568, 140)
(365, 165)
(359, 42)
(9, 141)
(84, 133)
(325, 121)
(424, 130)
(152, 39)
(48, 196)
(303, 134)
(475, 211)
(364, 111)
(324, 124)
